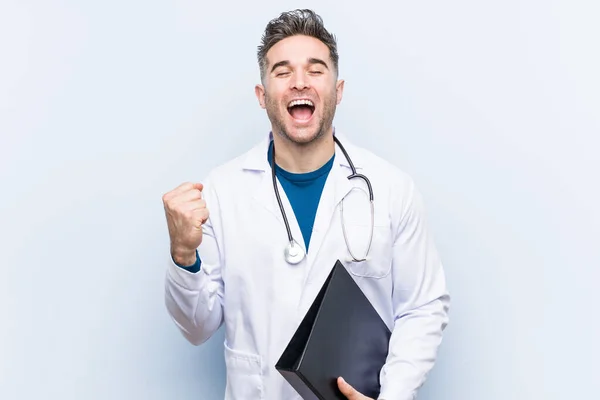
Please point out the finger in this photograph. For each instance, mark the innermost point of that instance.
(348, 391)
(201, 217)
(189, 205)
(173, 194)
(186, 187)
(176, 200)
(187, 197)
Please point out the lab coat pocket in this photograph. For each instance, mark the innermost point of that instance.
(244, 375)
(378, 263)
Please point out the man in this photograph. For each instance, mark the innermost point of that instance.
(228, 234)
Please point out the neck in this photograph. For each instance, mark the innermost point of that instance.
(302, 158)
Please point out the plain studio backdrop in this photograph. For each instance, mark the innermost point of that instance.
(492, 107)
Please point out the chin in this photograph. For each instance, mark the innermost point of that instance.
(303, 131)
(300, 124)
(303, 135)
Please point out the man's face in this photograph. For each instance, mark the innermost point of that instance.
(300, 91)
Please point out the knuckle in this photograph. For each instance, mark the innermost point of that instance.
(204, 214)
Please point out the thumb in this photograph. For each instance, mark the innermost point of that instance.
(348, 391)
(198, 186)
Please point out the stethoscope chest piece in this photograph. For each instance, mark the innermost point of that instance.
(294, 253)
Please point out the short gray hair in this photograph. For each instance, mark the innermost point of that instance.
(297, 22)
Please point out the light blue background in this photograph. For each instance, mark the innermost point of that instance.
(493, 107)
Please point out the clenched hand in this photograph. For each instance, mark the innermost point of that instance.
(186, 212)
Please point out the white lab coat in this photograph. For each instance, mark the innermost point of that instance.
(245, 283)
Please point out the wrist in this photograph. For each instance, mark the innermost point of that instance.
(184, 257)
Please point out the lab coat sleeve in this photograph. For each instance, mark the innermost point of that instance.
(194, 300)
(420, 300)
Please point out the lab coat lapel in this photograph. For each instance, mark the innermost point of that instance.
(336, 188)
(264, 195)
(326, 225)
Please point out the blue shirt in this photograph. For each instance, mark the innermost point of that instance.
(304, 193)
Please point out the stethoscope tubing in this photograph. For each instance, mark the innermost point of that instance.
(350, 177)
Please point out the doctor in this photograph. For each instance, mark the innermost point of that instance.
(252, 255)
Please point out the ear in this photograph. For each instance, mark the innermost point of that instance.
(339, 89)
(259, 90)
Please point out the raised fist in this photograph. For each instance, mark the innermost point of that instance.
(186, 212)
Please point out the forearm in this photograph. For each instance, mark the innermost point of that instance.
(414, 343)
(420, 301)
(193, 300)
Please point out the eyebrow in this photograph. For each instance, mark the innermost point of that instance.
(311, 61)
(317, 61)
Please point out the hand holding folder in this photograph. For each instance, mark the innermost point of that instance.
(351, 393)
(341, 335)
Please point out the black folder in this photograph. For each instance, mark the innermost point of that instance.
(341, 335)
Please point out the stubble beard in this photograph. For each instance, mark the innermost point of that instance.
(325, 123)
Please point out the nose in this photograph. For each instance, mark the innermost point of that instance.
(299, 81)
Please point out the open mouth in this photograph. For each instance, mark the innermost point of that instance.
(301, 110)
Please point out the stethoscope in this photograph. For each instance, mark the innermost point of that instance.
(294, 253)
